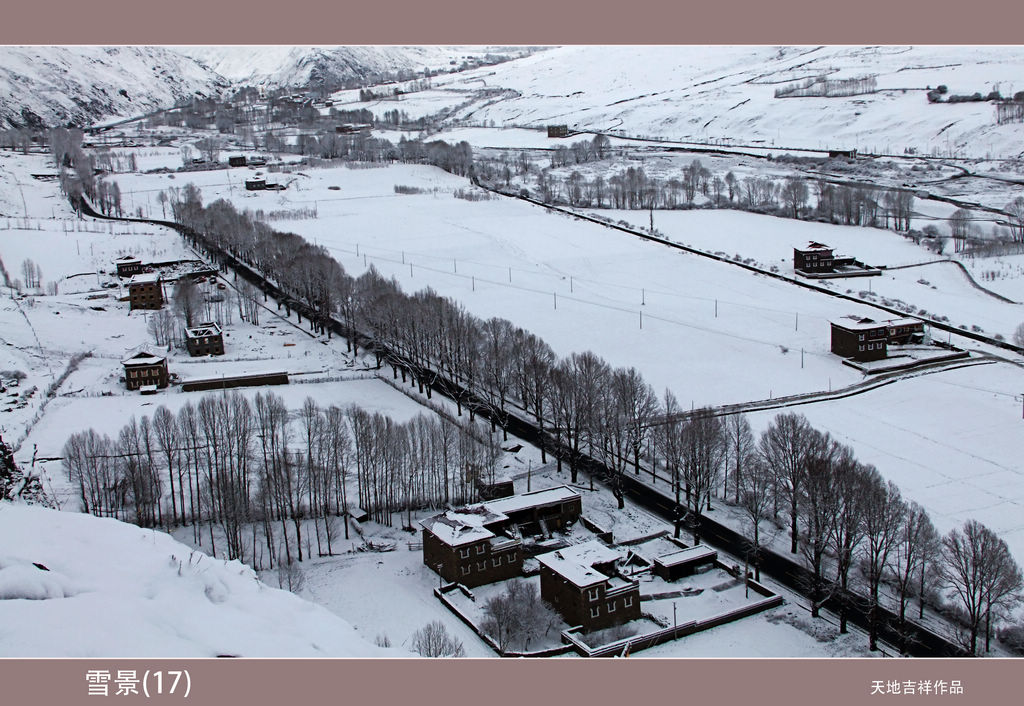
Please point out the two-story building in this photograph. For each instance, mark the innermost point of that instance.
(904, 331)
(815, 257)
(145, 291)
(480, 543)
(470, 547)
(204, 339)
(582, 583)
(144, 370)
(861, 339)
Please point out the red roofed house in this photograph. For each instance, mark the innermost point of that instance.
(583, 585)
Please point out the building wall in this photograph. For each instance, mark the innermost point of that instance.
(822, 260)
(471, 564)
(205, 345)
(556, 516)
(137, 376)
(588, 607)
(127, 270)
(859, 345)
(147, 295)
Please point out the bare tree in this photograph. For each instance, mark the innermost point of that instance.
(433, 640)
(977, 566)
(784, 446)
(704, 447)
(741, 448)
(517, 617)
(918, 542)
(755, 499)
(188, 300)
(883, 517)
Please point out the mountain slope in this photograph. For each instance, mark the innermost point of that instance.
(77, 85)
(728, 93)
(114, 590)
(289, 66)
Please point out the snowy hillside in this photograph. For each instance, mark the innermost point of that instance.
(290, 66)
(728, 93)
(60, 85)
(114, 590)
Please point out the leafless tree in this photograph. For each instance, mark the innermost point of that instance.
(977, 566)
(433, 640)
(517, 617)
(918, 543)
(188, 300)
(704, 449)
(755, 500)
(785, 446)
(883, 517)
(847, 532)
(741, 448)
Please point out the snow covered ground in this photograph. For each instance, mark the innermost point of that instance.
(111, 589)
(950, 440)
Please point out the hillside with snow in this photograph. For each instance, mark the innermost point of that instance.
(74, 585)
(47, 86)
(723, 93)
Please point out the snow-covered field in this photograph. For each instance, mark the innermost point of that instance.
(471, 251)
(111, 589)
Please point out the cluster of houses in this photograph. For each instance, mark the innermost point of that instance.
(483, 543)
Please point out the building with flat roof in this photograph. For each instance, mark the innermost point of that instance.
(145, 291)
(204, 339)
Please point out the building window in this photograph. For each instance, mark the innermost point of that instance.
(860, 337)
(511, 557)
(627, 602)
(465, 570)
(464, 553)
(871, 346)
(611, 607)
(480, 549)
(592, 594)
(496, 561)
(595, 611)
(860, 348)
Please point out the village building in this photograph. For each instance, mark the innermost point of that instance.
(905, 331)
(237, 160)
(204, 339)
(558, 130)
(582, 583)
(255, 184)
(815, 257)
(145, 291)
(145, 370)
(257, 161)
(861, 339)
(470, 546)
(684, 562)
(480, 543)
(128, 266)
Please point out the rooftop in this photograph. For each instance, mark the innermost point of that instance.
(142, 359)
(815, 246)
(144, 278)
(576, 563)
(534, 499)
(458, 527)
(207, 329)
(684, 555)
(858, 323)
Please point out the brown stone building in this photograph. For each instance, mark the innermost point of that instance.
(814, 258)
(469, 547)
(145, 291)
(860, 339)
(143, 370)
(558, 130)
(582, 583)
(904, 331)
(204, 339)
(480, 544)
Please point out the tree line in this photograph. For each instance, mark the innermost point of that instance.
(260, 473)
(633, 189)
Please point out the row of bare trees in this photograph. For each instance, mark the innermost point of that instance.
(855, 532)
(633, 189)
(260, 473)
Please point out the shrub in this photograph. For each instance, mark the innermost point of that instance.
(433, 640)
